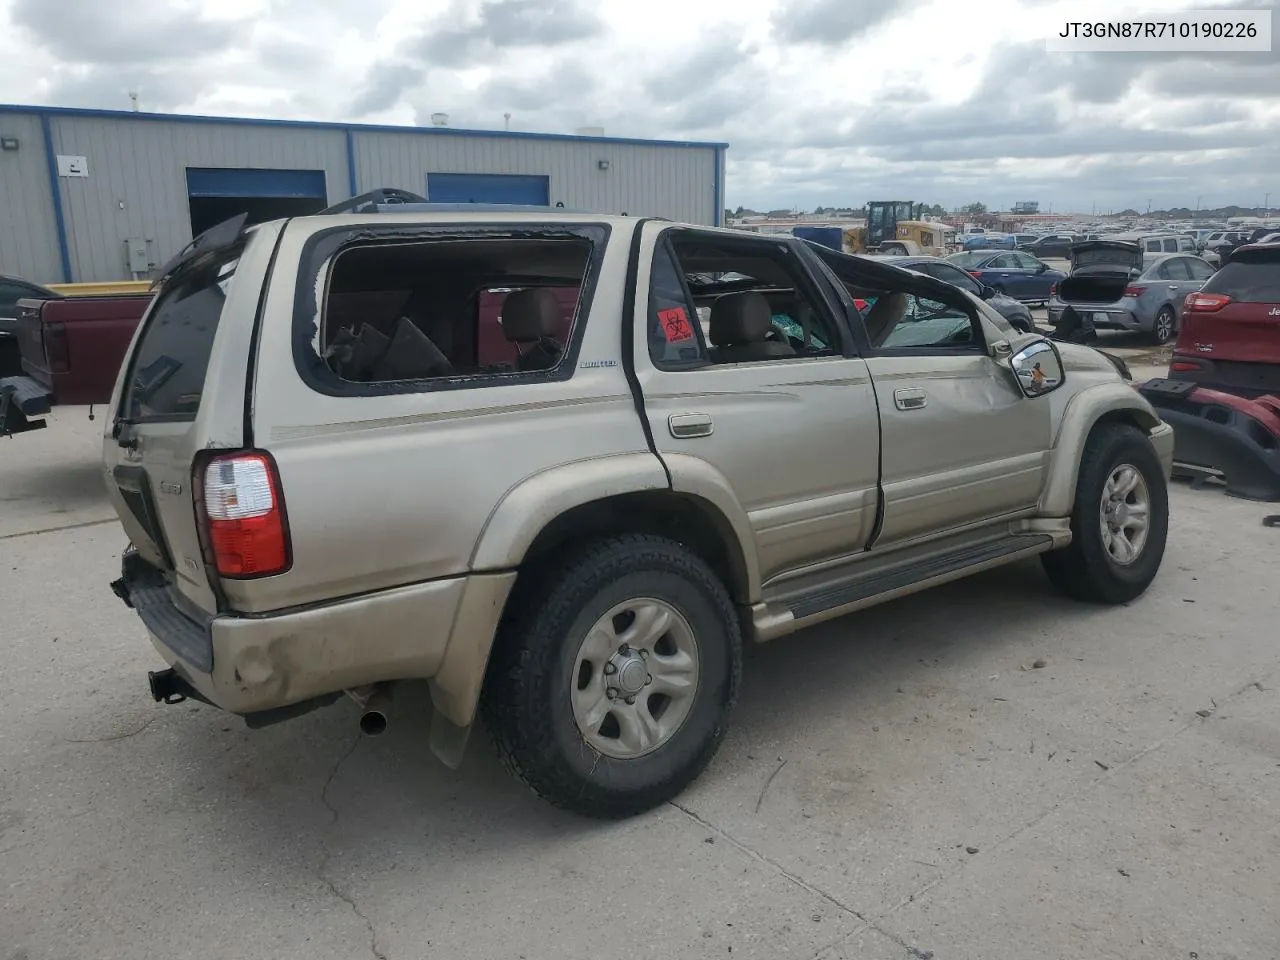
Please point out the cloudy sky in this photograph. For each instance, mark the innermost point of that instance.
(822, 101)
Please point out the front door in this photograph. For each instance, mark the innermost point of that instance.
(750, 385)
(961, 445)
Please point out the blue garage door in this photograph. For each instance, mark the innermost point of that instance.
(232, 182)
(488, 188)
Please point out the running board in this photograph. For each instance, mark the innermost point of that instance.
(784, 615)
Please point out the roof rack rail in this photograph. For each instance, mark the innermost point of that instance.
(369, 202)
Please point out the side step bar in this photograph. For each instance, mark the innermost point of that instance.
(829, 600)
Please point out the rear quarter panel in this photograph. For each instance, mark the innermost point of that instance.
(396, 489)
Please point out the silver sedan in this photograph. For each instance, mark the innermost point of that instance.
(1152, 303)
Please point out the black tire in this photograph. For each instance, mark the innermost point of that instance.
(526, 700)
(1164, 327)
(1085, 569)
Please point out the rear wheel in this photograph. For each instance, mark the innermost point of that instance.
(1162, 328)
(1120, 520)
(614, 676)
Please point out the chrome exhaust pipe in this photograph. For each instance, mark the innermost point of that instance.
(373, 717)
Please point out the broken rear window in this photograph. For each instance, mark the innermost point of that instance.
(439, 309)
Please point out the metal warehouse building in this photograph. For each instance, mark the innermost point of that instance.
(91, 195)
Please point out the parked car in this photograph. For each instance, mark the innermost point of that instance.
(1016, 274)
(1230, 336)
(1148, 300)
(70, 350)
(1156, 245)
(1221, 243)
(577, 543)
(1016, 313)
(1022, 239)
(13, 289)
(977, 241)
(1054, 245)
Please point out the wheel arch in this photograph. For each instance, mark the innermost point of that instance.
(1102, 404)
(550, 512)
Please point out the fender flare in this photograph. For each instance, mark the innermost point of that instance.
(521, 516)
(1082, 414)
(526, 509)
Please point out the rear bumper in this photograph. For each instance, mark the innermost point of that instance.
(1104, 318)
(1219, 432)
(248, 665)
(22, 400)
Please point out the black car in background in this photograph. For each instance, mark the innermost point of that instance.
(13, 289)
(1018, 315)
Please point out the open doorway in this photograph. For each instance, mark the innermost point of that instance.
(215, 194)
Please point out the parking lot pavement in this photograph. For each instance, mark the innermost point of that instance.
(902, 782)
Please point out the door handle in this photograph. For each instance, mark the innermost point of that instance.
(684, 426)
(909, 399)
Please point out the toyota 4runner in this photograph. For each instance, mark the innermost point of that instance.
(562, 466)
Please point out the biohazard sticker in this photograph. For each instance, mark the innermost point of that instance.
(675, 325)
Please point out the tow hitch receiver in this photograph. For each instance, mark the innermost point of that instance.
(168, 687)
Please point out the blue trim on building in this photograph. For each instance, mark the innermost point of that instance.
(352, 180)
(351, 127)
(719, 191)
(55, 192)
(248, 182)
(514, 188)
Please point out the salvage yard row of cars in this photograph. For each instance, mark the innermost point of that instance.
(671, 441)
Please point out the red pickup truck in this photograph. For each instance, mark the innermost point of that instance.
(71, 350)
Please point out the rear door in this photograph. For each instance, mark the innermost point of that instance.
(791, 429)
(1002, 273)
(181, 391)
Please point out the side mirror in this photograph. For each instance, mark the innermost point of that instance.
(987, 292)
(1042, 268)
(1038, 368)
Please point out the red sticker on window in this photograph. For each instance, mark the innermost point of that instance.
(675, 325)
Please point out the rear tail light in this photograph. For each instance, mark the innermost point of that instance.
(55, 347)
(976, 274)
(1053, 289)
(1205, 302)
(860, 303)
(1134, 291)
(244, 513)
(1184, 366)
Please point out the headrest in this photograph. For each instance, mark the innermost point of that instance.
(738, 318)
(530, 314)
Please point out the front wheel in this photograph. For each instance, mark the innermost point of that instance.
(1162, 327)
(1120, 521)
(614, 675)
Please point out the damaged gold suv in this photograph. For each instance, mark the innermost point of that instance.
(562, 466)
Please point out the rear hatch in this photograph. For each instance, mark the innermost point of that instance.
(1234, 320)
(1100, 271)
(181, 395)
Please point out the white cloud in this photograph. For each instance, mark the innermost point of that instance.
(823, 102)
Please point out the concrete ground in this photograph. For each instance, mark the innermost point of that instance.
(986, 771)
